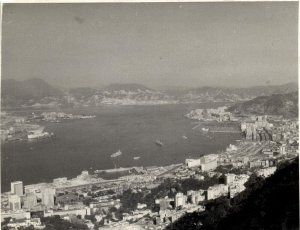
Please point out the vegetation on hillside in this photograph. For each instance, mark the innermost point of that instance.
(265, 204)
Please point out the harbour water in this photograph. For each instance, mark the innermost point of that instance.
(87, 144)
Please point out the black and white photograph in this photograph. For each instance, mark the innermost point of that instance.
(149, 115)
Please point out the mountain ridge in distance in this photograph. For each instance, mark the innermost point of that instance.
(14, 93)
(31, 91)
(126, 87)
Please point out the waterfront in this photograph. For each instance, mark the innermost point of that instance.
(87, 144)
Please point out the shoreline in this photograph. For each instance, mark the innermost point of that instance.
(185, 143)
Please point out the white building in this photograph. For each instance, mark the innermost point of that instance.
(192, 162)
(209, 162)
(282, 149)
(216, 191)
(35, 222)
(180, 200)
(266, 172)
(229, 178)
(236, 183)
(78, 211)
(48, 195)
(196, 196)
(14, 202)
(36, 189)
(235, 189)
(16, 188)
(30, 201)
(60, 180)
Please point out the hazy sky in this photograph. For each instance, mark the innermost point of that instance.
(188, 44)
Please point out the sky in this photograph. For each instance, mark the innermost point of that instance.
(156, 44)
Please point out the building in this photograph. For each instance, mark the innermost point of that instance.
(30, 201)
(253, 164)
(171, 215)
(18, 215)
(17, 224)
(60, 180)
(229, 178)
(192, 162)
(266, 172)
(16, 188)
(208, 162)
(81, 211)
(141, 206)
(36, 189)
(180, 200)
(216, 191)
(282, 149)
(196, 196)
(14, 202)
(164, 203)
(236, 183)
(48, 195)
(235, 189)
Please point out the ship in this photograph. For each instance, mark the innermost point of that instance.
(37, 133)
(116, 154)
(136, 158)
(205, 129)
(159, 143)
(184, 137)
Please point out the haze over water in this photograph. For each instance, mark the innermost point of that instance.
(87, 144)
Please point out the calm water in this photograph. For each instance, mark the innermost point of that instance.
(87, 144)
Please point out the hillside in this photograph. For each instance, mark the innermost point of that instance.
(270, 204)
(16, 93)
(206, 94)
(276, 104)
(274, 206)
(126, 87)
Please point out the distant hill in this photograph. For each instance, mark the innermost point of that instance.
(276, 104)
(37, 92)
(82, 92)
(206, 94)
(14, 93)
(126, 87)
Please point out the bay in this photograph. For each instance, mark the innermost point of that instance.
(87, 144)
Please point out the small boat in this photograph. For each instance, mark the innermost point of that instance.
(116, 154)
(184, 137)
(205, 129)
(159, 143)
(136, 158)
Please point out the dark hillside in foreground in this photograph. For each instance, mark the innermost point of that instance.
(275, 205)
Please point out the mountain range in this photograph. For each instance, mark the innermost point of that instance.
(37, 92)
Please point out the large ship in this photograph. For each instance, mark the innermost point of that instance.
(116, 154)
(159, 143)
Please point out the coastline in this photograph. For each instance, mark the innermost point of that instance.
(68, 133)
